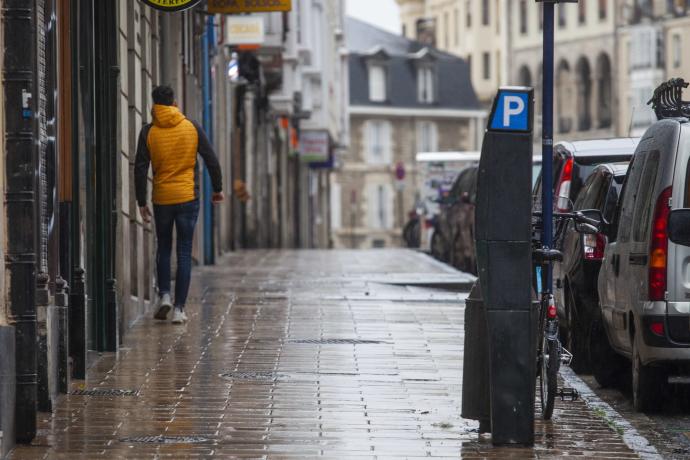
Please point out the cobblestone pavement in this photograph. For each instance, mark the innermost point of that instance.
(267, 368)
(668, 429)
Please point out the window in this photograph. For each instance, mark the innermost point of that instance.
(486, 69)
(380, 206)
(677, 54)
(427, 137)
(523, 17)
(603, 9)
(378, 142)
(581, 12)
(446, 30)
(468, 13)
(377, 83)
(425, 85)
(541, 16)
(485, 12)
(644, 198)
(562, 17)
(456, 22)
(404, 30)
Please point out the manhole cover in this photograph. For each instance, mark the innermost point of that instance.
(336, 341)
(166, 439)
(252, 375)
(104, 392)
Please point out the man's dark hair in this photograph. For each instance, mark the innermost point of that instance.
(163, 95)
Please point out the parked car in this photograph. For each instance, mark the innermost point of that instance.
(643, 284)
(576, 286)
(573, 162)
(455, 217)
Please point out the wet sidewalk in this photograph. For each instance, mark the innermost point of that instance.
(331, 354)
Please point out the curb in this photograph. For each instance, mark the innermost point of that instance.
(632, 438)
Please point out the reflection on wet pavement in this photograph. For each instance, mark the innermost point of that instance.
(328, 354)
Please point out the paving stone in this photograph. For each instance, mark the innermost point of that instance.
(378, 373)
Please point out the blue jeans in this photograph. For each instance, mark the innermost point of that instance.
(183, 217)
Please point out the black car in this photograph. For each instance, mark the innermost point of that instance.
(576, 277)
(573, 162)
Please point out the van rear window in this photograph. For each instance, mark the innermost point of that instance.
(644, 201)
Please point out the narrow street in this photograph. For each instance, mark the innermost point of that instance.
(299, 354)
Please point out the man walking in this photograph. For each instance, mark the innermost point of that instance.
(171, 144)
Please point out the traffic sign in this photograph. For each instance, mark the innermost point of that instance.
(512, 110)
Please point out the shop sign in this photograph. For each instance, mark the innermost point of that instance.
(248, 6)
(171, 5)
(244, 30)
(314, 146)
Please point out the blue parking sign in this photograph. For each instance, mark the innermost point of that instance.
(512, 110)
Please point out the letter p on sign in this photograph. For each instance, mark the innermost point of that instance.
(511, 111)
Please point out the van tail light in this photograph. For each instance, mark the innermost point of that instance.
(594, 246)
(563, 195)
(658, 252)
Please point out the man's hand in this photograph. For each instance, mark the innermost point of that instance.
(217, 197)
(145, 213)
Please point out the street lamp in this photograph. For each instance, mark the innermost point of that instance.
(547, 130)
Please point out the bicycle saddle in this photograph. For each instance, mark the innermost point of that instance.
(546, 256)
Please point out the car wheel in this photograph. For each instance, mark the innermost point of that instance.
(578, 334)
(648, 383)
(607, 366)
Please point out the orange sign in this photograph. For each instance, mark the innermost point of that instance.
(248, 6)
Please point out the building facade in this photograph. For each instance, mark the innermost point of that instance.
(652, 37)
(78, 76)
(476, 30)
(586, 48)
(503, 42)
(399, 106)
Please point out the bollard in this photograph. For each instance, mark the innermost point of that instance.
(476, 402)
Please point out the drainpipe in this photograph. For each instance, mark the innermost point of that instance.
(19, 23)
(208, 40)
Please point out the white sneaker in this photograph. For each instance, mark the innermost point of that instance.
(179, 316)
(164, 307)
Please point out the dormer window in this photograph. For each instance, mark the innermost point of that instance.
(425, 84)
(377, 83)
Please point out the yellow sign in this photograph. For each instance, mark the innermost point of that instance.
(171, 5)
(248, 6)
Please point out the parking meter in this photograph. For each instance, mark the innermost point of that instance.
(503, 241)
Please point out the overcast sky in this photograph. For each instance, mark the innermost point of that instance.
(382, 13)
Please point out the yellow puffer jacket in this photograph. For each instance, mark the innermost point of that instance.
(170, 144)
(173, 143)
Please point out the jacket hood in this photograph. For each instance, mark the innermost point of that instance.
(166, 116)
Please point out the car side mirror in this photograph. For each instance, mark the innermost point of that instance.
(679, 226)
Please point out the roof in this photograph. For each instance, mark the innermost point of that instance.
(401, 57)
(601, 147)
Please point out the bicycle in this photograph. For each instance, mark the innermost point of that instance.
(550, 352)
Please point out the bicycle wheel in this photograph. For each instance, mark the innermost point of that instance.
(548, 375)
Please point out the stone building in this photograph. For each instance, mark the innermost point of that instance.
(502, 41)
(653, 38)
(476, 30)
(585, 51)
(401, 104)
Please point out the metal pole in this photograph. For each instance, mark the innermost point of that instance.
(547, 136)
(206, 42)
